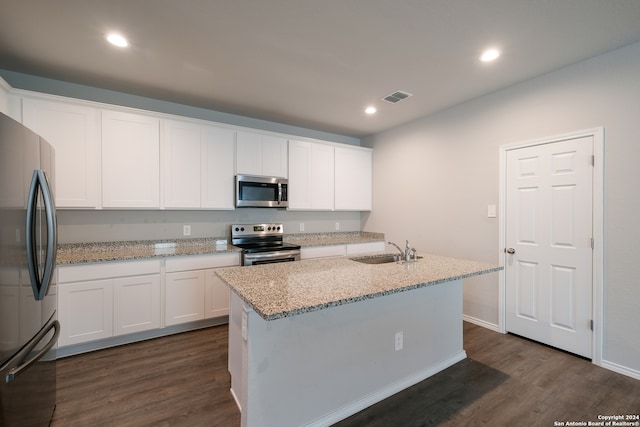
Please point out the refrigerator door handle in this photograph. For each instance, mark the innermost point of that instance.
(41, 285)
(24, 365)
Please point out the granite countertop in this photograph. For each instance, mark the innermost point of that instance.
(333, 238)
(287, 289)
(78, 253)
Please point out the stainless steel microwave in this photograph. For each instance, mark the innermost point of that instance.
(261, 192)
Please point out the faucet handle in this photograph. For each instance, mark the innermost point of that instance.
(414, 254)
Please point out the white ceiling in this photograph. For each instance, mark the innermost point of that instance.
(310, 63)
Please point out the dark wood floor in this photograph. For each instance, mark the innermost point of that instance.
(182, 380)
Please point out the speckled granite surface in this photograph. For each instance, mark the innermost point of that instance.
(77, 253)
(335, 238)
(288, 289)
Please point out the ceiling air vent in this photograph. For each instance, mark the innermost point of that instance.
(396, 96)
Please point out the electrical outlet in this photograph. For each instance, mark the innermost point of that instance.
(302, 226)
(399, 340)
(337, 226)
(186, 230)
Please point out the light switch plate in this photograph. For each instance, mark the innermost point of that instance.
(491, 211)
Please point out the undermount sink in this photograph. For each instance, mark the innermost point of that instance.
(380, 259)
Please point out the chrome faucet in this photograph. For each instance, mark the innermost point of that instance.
(406, 254)
(398, 247)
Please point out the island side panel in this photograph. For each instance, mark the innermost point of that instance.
(320, 367)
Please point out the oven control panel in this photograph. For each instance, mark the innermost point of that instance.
(242, 230)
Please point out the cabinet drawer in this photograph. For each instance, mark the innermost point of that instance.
(323, 251)
(93, 271)
(363, 248)
(202, 262)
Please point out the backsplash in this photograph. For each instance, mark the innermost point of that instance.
(80, 226)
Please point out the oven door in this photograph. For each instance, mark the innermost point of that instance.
(269, 257)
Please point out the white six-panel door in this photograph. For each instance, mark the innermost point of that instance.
(549, 230)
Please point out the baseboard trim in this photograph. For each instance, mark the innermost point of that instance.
(235, 398)
(86, 347)
(633, 373)
(480, 322)
(388, 391)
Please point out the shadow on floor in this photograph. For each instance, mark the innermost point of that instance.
(433, 401)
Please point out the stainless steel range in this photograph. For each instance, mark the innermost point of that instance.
(263, 244)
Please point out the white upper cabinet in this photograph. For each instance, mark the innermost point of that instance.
(74, 132)
(180, 153)
(353, 179)
(197, 166)
(311, 176)
(217, 191)
(258, 154)
(130, 160)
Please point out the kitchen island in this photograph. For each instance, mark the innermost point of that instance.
(312, 342)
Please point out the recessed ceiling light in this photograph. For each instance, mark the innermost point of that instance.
(370, 110)
(490, 55)
(117, 39)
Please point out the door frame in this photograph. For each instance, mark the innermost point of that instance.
(598, 228)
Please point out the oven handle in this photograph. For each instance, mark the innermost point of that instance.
(273, 255)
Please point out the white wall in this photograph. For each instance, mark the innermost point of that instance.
(434, 177)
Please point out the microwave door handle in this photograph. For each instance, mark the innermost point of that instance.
(279, 193)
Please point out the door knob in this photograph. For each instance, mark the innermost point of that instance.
(510, 251)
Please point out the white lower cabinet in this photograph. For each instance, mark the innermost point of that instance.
(365, 248)
(102, 300)
(184, 293)
(97, 301)
(193, 290)
(136, 304)
(85, 311)
(328, 251)
(216, 295)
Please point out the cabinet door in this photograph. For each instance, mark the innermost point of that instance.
(184, 297)
(274, 156)
(299, 175)
(248, 153)
(74, 132)
(136, 304)
(130, 160)
(311, 176)
(217, 168)
(353, 179)
(181, 160)
(322, 177)
(85, 311)
(216, 297)
(258, 154)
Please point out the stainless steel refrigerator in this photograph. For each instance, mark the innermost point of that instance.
(28, 325)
